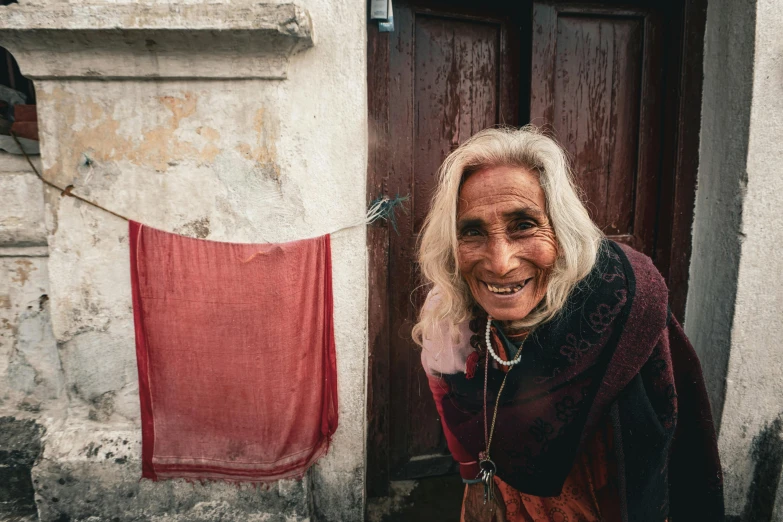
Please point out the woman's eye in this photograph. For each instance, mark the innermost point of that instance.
(471, 232)
(524, 225)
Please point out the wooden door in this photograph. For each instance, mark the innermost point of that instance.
(446, 72)
(617, 83)
(597, 83)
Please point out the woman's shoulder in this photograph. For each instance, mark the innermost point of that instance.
(445, 347)
(647, 300)
(644, 278)
(640, 263)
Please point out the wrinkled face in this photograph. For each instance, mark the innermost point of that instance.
(506, 245)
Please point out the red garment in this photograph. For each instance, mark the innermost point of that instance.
(235, 350)
(590, 492)
(25, 122)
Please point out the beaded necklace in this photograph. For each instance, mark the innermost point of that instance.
(486, 465)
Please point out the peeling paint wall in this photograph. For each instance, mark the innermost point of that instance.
(31, 379)
(231, 160)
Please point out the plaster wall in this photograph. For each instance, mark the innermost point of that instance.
(750, 440)
(247, 160)
(31, 379)
(723, 151)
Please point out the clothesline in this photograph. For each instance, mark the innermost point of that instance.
(382, 207)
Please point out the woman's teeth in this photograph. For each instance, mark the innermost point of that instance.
(504, 289)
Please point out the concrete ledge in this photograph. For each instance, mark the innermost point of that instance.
(24, 251)
(130, 40)
(15, 163)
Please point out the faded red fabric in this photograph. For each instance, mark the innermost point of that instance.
(25, 122)
(235, 349)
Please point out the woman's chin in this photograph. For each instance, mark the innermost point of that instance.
(510, 310)
(503, 314)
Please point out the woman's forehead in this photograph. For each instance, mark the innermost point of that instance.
(497, 189)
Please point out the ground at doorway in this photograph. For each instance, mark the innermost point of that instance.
(423, 500)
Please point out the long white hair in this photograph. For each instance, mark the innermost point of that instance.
(578, 238)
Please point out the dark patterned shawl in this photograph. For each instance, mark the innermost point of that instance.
(606, 356)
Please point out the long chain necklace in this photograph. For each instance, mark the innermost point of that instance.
(486, 465)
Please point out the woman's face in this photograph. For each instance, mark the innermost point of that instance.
(506, 245)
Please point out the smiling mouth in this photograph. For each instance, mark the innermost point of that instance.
(506, 289)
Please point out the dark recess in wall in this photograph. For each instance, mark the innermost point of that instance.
(11, 76)
(20, 447)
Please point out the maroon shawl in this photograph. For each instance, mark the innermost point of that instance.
(614, 351)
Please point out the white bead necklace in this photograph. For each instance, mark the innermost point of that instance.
(495, 356)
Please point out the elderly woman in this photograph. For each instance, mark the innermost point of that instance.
(566, 389)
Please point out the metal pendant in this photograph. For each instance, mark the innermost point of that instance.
(487, 475)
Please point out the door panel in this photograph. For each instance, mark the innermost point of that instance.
(598, 75)
(455, 93)
(596, 83)
(451, 74)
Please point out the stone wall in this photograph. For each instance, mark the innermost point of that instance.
(264, 157)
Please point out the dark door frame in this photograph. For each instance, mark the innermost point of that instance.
(684, 120)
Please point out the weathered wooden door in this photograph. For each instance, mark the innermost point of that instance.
(597, 83)
(611, 81)
(607, 79)
(444, 74)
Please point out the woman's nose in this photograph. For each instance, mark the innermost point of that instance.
(501, 258)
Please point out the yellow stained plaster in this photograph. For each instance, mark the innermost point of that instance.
(86, 127)
(264, 152)
(22, 271)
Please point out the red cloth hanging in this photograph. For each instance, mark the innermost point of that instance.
(235, 350)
